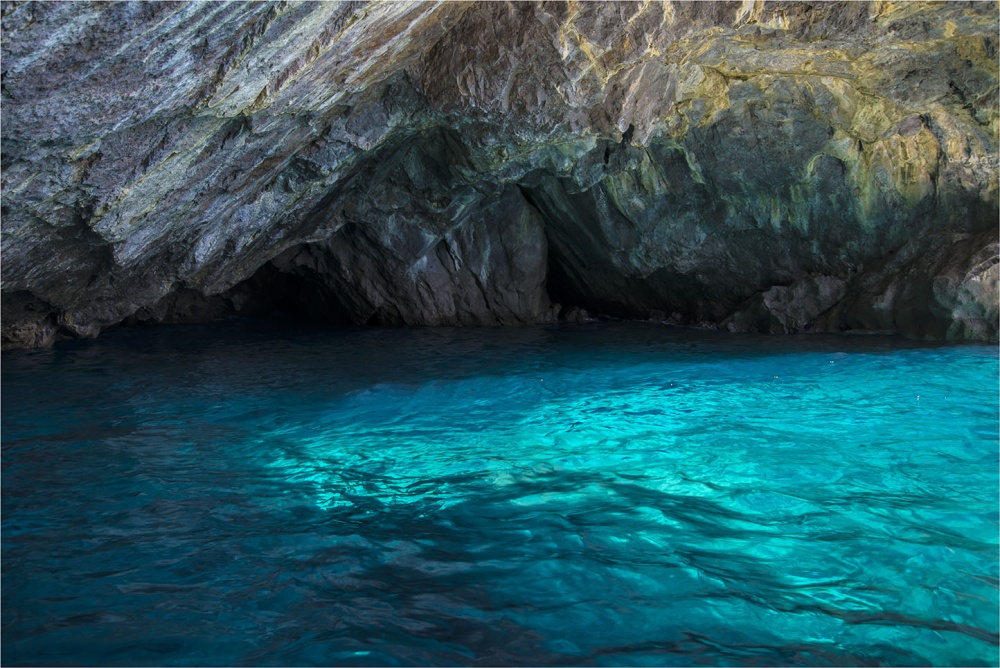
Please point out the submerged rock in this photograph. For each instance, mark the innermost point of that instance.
(774, 166)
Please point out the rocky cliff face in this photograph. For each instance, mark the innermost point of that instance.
(758, 166)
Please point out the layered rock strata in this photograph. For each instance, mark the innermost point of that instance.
(756, 166)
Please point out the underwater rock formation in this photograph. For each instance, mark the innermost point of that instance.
(759, 166)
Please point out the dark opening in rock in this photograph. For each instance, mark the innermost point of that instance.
(273, 293)
(627, 135)
(559, 285)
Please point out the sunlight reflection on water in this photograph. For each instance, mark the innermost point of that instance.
(600, 494)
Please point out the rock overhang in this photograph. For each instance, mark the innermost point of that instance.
(472, 163)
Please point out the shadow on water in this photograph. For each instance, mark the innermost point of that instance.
(567, 579)
(260, 351)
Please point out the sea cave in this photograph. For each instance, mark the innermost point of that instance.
(500, 333)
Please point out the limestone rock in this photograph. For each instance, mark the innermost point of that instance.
(788, 309)
(479, 162)
(937, 287)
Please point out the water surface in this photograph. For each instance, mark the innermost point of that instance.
(603, 494)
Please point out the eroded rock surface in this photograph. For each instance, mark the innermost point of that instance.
(775, 166)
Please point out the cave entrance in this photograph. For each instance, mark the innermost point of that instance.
(570, 268)
(276, 293)
(560, 285)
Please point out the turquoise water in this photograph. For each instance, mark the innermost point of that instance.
(602, 494)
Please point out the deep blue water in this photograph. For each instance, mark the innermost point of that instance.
(602, 494)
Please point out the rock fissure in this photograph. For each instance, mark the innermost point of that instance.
(785, 167)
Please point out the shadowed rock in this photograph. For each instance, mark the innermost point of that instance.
(772, 166)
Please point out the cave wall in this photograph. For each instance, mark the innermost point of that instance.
(756, 166)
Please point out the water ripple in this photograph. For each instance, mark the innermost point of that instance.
(593, 495)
